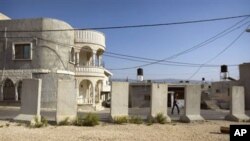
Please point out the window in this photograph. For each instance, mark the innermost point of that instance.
(147, 97)
(217, 90)
(22, 51)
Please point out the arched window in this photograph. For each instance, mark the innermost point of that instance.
(8, 90)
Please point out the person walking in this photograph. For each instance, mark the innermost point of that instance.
(175, 104)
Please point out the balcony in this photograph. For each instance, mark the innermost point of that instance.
(90, 36)
(89, 71)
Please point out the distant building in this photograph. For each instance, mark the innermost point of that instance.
(52, 55)
(139, 94)
(220, 90)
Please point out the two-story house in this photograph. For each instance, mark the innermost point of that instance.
(51, 49)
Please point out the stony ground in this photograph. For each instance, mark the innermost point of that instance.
(176, 131)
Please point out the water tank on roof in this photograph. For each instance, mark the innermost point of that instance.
(140, 74)
(223, 72)
(223, 68)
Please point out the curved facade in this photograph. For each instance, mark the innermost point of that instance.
(43, 49)
(91, 76)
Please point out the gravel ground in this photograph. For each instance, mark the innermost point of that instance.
(176, 131)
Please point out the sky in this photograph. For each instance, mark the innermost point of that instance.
(152, 42)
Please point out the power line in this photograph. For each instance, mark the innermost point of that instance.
(149, 60)
(217, 36)
(217, 55)
(128, 57)
(136, 26)
(170, 63)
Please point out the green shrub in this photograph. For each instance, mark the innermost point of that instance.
(89, 120)
(65, 121)
(120, 119)
(79, 121)
(160, 118)
(150, 121)
(44, 121)
(135, 120)
(36, 124)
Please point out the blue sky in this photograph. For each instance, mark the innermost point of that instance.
(151, 42)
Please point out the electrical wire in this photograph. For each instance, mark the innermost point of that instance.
(217, 55)
(136, 26)
(217, 36)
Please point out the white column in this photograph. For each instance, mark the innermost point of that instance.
(93, 94)
(88, 94)
(77, 58)
(16, 93)
(94, 58)
(100, 60)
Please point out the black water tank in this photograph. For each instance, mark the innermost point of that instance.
(223, 68)
(140, 72)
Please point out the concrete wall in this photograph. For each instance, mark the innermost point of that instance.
(66, 100)
(245, 81)
(192, 103)
(119, 99)
(30, 99)
(237, 104)
(139, 95)
(220, 91)
(49, 88)
(159, 100)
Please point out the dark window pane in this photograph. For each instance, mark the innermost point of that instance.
(26, 52)
(22, 51)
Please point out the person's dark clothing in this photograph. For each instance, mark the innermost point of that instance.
(175, 105)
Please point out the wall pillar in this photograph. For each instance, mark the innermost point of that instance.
(119, 99)
(192, 104)
(159, 100)
(237, 105)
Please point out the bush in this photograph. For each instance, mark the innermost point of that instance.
(65, 121)
(135, 120)
(44, 121)
(79, 121)
(150, 121)
(36, 124)
(89, 120)
(160, 118)
(120, 119)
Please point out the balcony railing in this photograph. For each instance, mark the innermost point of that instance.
(89, 70)
(90, 36)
